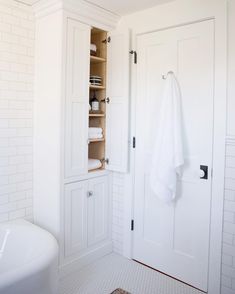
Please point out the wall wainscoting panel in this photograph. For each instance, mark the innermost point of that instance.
(16, 110)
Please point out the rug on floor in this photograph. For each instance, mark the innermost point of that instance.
(120, 291)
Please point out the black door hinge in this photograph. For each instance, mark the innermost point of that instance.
(133, 142)
(132, 52)
(108, 40)
(132, 225)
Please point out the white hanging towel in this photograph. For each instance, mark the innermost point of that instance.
(168, 158)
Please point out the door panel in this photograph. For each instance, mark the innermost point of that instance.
(77, 97)
(75, 217)
(98, 211)
(175, 238)
(117, 111)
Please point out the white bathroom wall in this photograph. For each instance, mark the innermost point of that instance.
(231, 69)
(228, 258)
(16, 104)
(118, 208)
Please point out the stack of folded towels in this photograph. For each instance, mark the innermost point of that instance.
(95, 133)
(94, 164)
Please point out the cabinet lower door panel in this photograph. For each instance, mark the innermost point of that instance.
(98, 211)
(75, 217)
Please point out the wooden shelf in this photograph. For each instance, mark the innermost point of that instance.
(98, 68)
(96, 170)
(96, 140)
(96, 115)
(95, 59)
(92, 87)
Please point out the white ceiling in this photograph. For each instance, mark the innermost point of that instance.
(123, 7)
(120, 7)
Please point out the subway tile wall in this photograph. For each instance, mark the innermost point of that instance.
(228, 257)
(118, 210)
(16, 109)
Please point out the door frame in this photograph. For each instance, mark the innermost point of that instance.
(218, 13)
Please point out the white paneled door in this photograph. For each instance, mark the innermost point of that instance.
(174, 238)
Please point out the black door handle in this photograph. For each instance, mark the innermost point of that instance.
(204, 168)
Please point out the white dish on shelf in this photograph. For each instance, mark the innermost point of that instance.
(96, 80)
(95, 84)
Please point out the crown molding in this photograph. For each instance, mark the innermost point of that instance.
(83, 10)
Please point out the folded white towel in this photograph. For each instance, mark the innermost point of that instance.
(168, 156)
(95, 131)
(94, 164)
(95, 136)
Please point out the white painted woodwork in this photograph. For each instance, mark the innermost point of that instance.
(76, 217)
(120, 7)
(98, 211)
(77, 97)
(47, 122)
(61, 145)
(87, 215)
(175, 238)
(123, 7)
(81, 224)
(83, 11)
(117, 117)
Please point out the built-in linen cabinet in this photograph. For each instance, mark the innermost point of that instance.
(71, 201)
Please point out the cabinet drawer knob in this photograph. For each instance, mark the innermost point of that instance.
(89, 193)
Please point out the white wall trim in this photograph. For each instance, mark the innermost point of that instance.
(84, 11)
(184, 12)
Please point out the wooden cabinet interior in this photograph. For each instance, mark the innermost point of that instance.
(98, 68)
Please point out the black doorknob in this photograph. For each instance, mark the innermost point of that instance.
(204, 168)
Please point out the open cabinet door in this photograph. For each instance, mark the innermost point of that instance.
(117, 106)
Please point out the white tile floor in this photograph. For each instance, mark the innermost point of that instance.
(113, 271)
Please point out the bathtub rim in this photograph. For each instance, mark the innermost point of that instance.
(37, 264)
